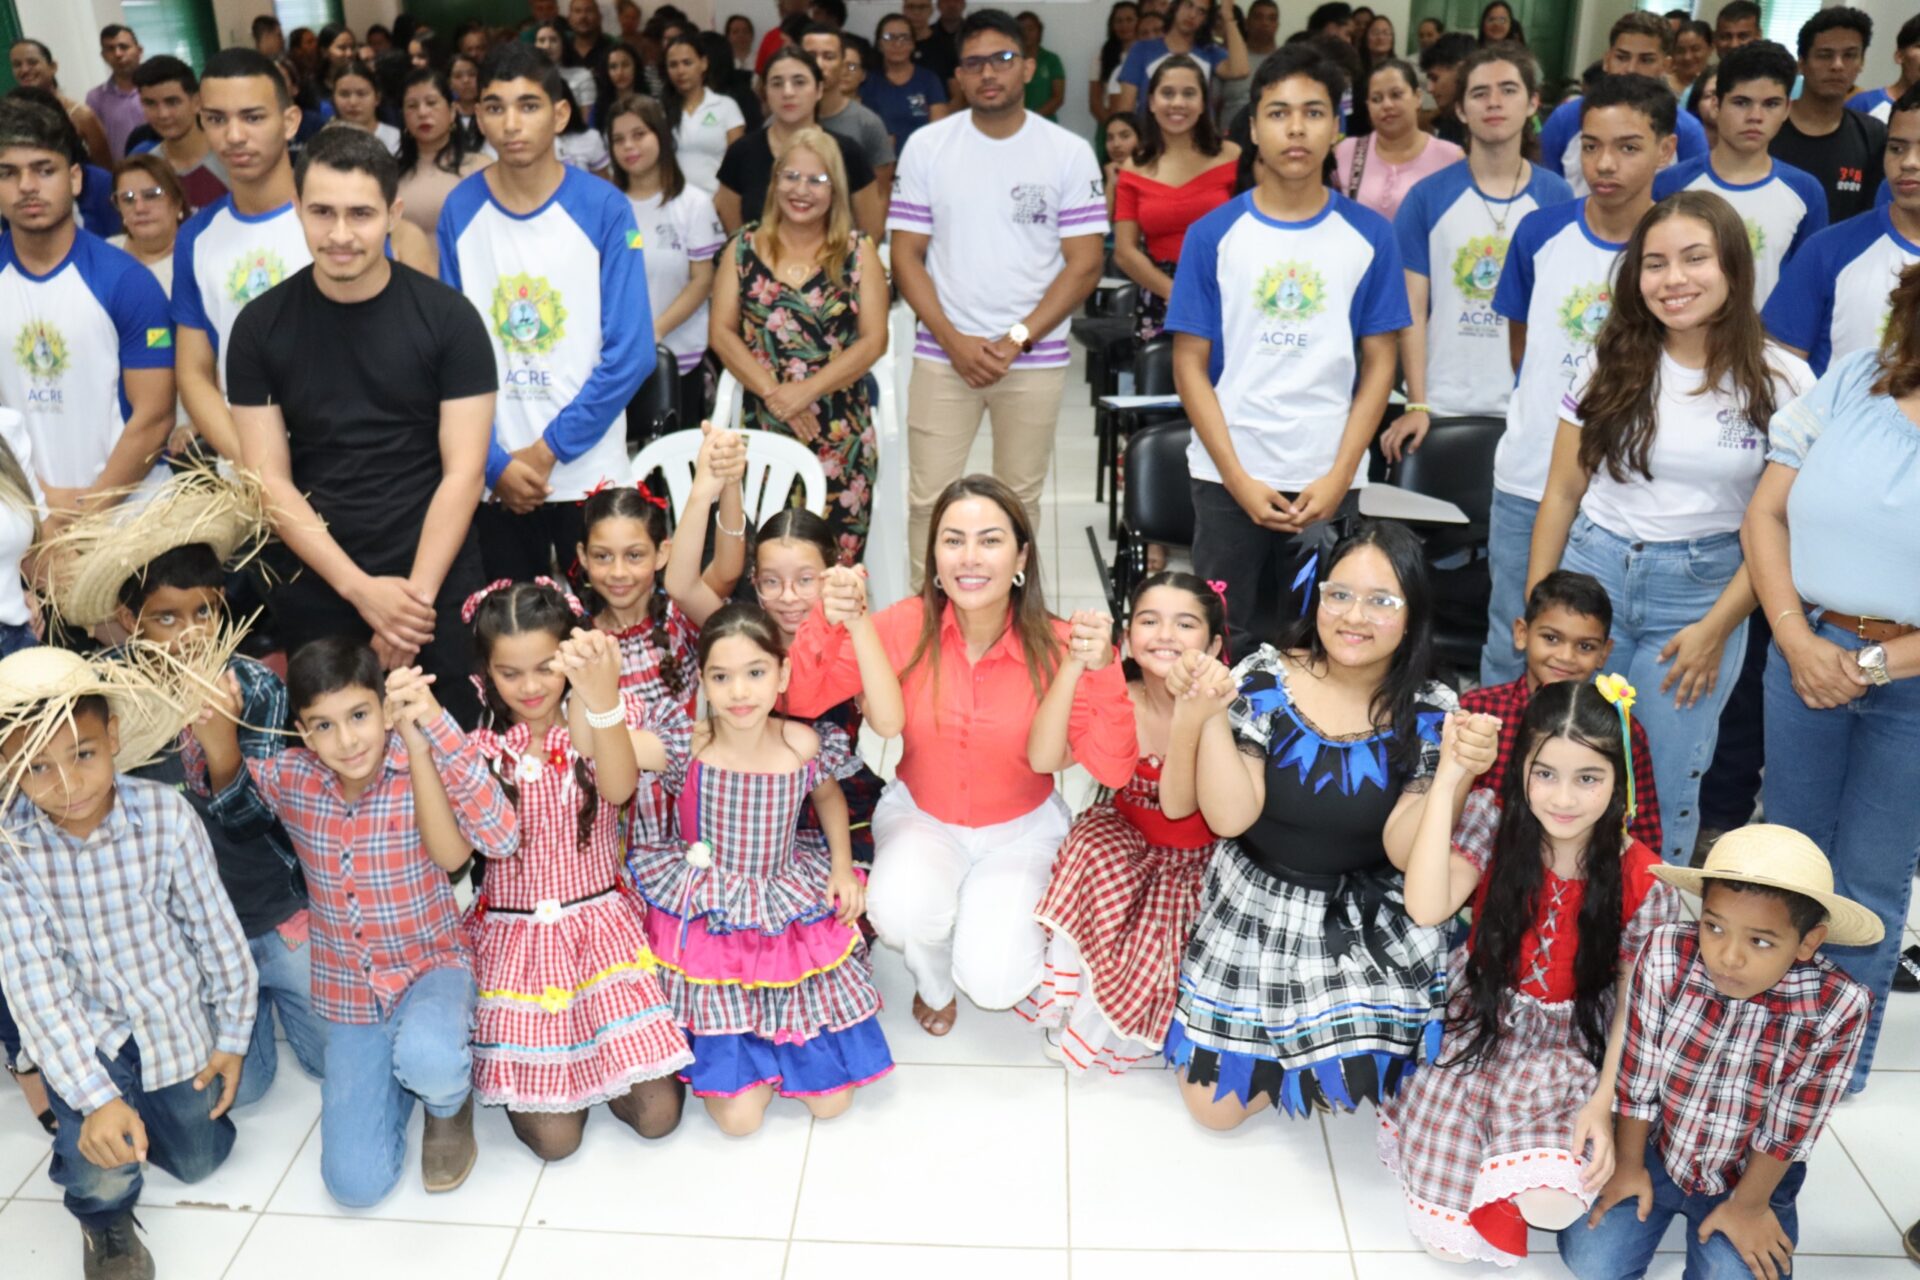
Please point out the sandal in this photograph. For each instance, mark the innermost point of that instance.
(935, 1022)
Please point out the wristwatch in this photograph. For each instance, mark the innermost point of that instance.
(1873, 661)
(1021, 338)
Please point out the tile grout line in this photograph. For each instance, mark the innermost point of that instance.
(799, 1189)
(1066, 1158)
(1333, 1179)
(1872, 1190)
(278, 1183)
(513, 1245)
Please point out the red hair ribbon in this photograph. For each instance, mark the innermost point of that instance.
(1219, 588)
(472, 604)
(646, 494)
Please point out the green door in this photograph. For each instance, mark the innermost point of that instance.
(9, 32)
(185, 29)
(1548, 24)
(444, 15)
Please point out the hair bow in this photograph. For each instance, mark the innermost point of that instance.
(471, 605)
(649, 496)
(1615, 689)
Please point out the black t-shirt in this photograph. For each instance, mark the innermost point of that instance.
(1850, 162)
(748, 169)
(360, 385)
(938, 53)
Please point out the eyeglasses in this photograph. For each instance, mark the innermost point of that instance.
(897, 37)
(145, 195)
(769, 586)
(977, 62)
(1377, 606)
(794, 178)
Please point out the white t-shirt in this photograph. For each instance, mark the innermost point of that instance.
(1835, 294)
(1285, 305)
(1706, 456)
(389, 135)
(700, 138)
(224, 259)
(585, 150)
(1780, 211)
(673, 235)
(16, 527)
(997, 210)
(1558, 281)
(1457, 236)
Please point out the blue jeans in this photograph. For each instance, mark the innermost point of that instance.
(180, 1139)
(1509, 544)
(286, 984)
(1656, 589)
(1845, 776)
(1621, 1247)
(374, 1072)
(15, 638)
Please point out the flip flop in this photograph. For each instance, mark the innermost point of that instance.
(935, 1022)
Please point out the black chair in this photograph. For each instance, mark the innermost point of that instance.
(1152, 376)
(655, 408)
(1158, 505)
(1455, 462)
(1105, 329)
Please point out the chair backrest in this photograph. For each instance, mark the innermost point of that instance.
(1158, 496)
(1455, 462)
(774, 465)
(1153, 367)
(655, 408)
(1117, 301)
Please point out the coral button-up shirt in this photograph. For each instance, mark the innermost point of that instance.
(965, 748)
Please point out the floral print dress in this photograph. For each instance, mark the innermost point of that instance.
(793, 333)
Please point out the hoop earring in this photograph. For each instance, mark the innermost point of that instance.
(938, 585)
(1020, 578)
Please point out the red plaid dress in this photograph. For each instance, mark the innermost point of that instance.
(570, 1013)
(1121, 906)
(1465, 1140)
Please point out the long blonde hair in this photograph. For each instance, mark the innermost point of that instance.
(838, 246)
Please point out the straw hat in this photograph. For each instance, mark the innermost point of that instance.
(39, 687)
(91, 558)
(1781, 858)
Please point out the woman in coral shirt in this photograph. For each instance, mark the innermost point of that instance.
(965, 834)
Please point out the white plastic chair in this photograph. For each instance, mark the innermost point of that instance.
(774, 462)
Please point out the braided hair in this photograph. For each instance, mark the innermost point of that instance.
(624, 502)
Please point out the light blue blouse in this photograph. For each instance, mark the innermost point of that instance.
(1854, 510)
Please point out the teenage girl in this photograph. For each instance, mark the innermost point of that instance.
(1126, 886)
(753, 920)
(1512, 1124)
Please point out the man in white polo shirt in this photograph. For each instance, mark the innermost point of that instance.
(998, 219)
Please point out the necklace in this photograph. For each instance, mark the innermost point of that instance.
(797, 272)
(1506, 209)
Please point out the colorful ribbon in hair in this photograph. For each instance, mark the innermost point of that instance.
(471, 605)
(1615, 689)
(646, 495)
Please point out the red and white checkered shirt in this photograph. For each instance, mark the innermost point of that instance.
(383, 911)
(1723, 1077)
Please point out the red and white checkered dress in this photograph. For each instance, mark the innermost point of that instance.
(570, 1012)
(1465, 1140)
(1121, 906)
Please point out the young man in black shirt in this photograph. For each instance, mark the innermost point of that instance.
(363, 394)
(1841, 147)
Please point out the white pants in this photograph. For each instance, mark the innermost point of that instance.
(958, 901)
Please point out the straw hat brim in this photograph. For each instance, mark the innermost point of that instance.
(46, 675)
(1848, 923)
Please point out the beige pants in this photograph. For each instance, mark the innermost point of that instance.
(943, 417)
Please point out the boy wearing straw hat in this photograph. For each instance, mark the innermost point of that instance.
(121, 958)
(1740, 1039)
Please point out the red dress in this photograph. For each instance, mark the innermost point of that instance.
(1121, 905)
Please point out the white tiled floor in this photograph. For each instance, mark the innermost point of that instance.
(976, 1157)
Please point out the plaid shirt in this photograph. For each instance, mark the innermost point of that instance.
(125, 934)
(263, 712)
(1723, 1077)
(383, 911)
(1509, 702)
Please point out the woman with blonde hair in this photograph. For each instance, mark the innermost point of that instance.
(800, 320)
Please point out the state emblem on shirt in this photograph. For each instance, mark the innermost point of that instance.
(41, 351)
(527, 315)
(1476, 268)
(1290, 292)
(254, 274)
(1584, 310)
(1756, 236)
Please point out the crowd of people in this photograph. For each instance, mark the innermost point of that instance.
(331, 589)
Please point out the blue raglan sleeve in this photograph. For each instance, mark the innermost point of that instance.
(1674, 177)
(1380, 303)
(138, 306)
(626, 329)
(1194, 307)
(1133, 71)
(1556, 133)
(1413, 224)
(1514, 294)
(1814, 196)
(1693, 139)
(189, 312)
(1800, 309)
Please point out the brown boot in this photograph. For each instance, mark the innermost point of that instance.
(447, 1152)
(115, 1253)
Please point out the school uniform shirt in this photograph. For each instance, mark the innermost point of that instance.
(1873, 104)
(997, 210)
(903, 108)
(1560, 143)
(67, 339)
(700, 138)
(1849, 163)
(675, 234)
(1457, 235)
(1558, 281)
(223, 259)
(16, 526)
(1284, 305)
(1145, 55)
(1780, 211)
(564, 293)
(1834, 296)
(1706, 456)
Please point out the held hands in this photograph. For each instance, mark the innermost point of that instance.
(980, 362)
(1824, 674)
(590, 659)
(1593, 1124)
(722, 460)
(847, 895)
(224, 1067)
(1756, 1233)
(400, 614)
(1271, 509)
(792, 401)
(1695, 651)
(1090, 639)
(1408, 433)
(113, 1136)
(843, 595)
(1201, 686)
(523, 484)
(1468, 744)
(410, 702)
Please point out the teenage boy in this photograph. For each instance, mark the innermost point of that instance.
(1186, 33)
(1878, 103)
(994, 271)
(846, 116)
(1737, 23)
(1740, 1039)
(381, 817)
(122, 961)
(1566, 634)
(1780, 204)
(1840, 147)
(116, 100)
(86, 352)
(550, 256)
(170, 98)
(363, 392)
(1555, 291)
(1639, 44)
(1278, 289)
(1834, 294)
(1440, 64)
(1453, 230)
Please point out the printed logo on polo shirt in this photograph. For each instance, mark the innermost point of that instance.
(1584, 310)
(709, 120)
(254, 274)
(1030, 204)
(1737, 431)
(527, 315)
(1290, 292)
(42, 352)
(1476, 268)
